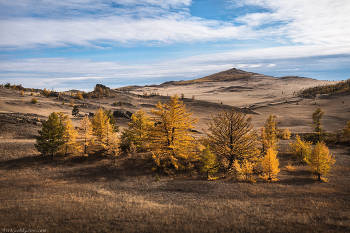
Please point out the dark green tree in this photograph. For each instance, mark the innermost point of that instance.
(50, 137)
(112, 119)
(75, 110)
(316, 122)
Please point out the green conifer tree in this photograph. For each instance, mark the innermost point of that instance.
(208, 162)
(50, 139)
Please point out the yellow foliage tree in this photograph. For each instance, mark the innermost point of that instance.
(138, 130)
(236, 169)
(110, 142)
(270, 133)
(283, 134)
(346, 132)
(99, 122)
(300, 149)
(22, 92)
(69, 134)
(171, 138)
(79, 96)
(321, 160)
(270, 165)
(86, 134)
(71, 103)
(208, 162)
(247, 170)
(231, 137)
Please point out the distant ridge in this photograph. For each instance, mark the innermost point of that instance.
(223, 76)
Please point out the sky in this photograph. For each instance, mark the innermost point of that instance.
(75, 44)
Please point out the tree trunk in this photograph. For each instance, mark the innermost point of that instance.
(319, 177)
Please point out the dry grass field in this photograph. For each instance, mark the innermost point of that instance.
(74, 194)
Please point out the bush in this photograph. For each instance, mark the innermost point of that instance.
(300, 149)
(34, 100)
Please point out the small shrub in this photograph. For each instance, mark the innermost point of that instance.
(34, 100)
(290, 167)
(32, 94)
(63, 102)
(157, 178)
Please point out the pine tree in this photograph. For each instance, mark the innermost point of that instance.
(75, 110)
(316, 122)
(300, 149)
(50, 139)
(231, 137)
(171, 139)
(208, 162)
(321, 160)
(346, 132)
(270, 165)
(69, 134)
(138, 130)
(86, 132)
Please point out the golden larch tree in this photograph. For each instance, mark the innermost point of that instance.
(231, 137)
(107, 133)
(86, 134)
(79, 96)
(138, 130)
(300, 149)
(270, 165)
(321, 160)
(270, 132)
(69, 134)
(171, 138)
(110, 142)
(247, 170)
(236, 169)
(208, 162)
(99, 122)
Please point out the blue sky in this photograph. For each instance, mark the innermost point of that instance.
(74, 44)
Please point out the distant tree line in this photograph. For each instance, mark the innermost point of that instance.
(341, 87)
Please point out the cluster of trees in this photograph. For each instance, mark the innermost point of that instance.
(231, 145)
(58, 135)
(341, 87)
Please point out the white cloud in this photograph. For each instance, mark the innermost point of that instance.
(87, 32)
(303, 21)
